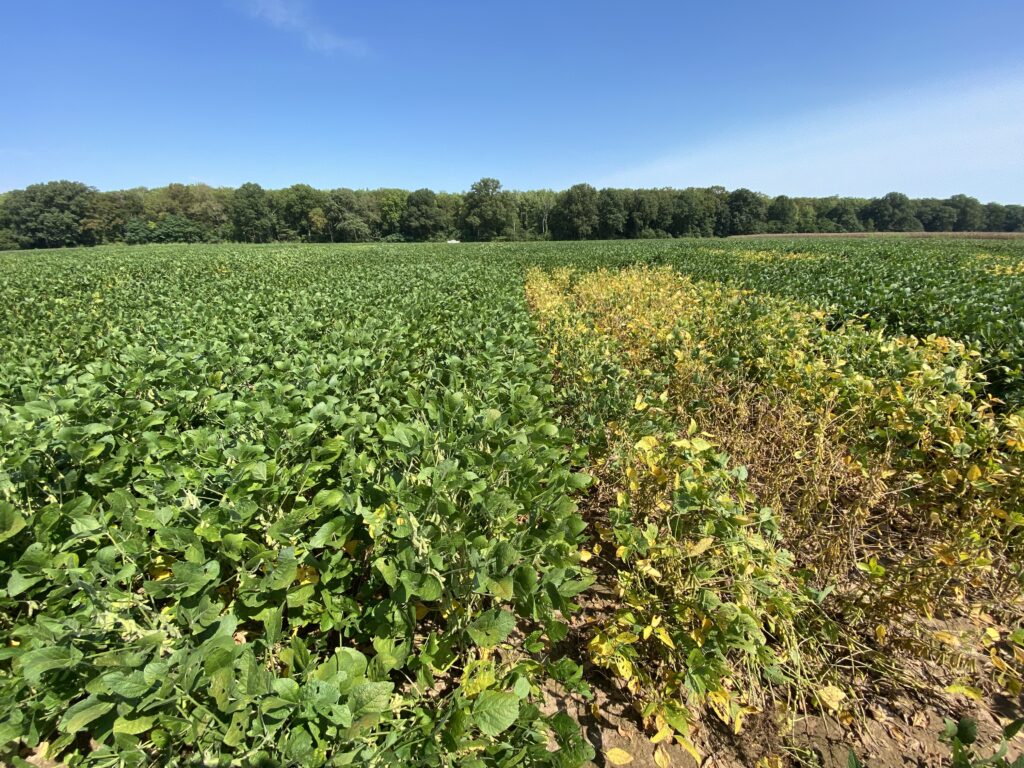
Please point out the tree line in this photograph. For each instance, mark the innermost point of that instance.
(68, 213)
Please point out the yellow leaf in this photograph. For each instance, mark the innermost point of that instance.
(640, 405)
(973, 473)
(478, 676)
(584, 556)
(700, 547)
(661, 758)
(664, 637)
(665, 732)
(946, 556)
(965, 690)
(646, 444)
(648, 570)
(307, 574)
(624, 668)
(831, 696)
(617, 756)
(880, 632)
(686, 744)
(948, 638)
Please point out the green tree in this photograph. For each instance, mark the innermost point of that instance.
(318, 222)
(251, 214)
(612, 213)
(807, 215)
(843, 215)
(534, 209)
(51, 215)
(894, 212)
(748, 212)
(1013, 218)
(783, 215)
(390, 207)
(970, 216)
(452, 205)
(294, 207)
(644, 211)
(696, 212)
(575, 215)
(488, 211)
(347, 219)
(936, 215)
(110, 214)
(422, 219)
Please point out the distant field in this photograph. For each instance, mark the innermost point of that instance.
(932, 235)
(383, 504)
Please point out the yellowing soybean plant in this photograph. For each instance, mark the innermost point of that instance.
(397, 505)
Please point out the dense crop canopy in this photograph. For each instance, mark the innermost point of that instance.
(311, 505)
(262, 502)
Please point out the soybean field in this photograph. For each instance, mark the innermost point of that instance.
(390, 505)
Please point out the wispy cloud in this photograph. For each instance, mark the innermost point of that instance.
(294, 16)
(962, 136)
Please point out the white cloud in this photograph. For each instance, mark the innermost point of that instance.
(961, 136)
(294, 16)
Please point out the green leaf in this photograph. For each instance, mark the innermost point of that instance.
(1013, 729)
(430, 588)
(574, 750)
(391, 654)
(370, 698)
(573, 587)
(967, 730)
(425, 586)
(337, 528)
(284, 571)
(501, 588)
(35, 663)
(491, 627)
(286, 688)
(351, 662)
(386, 568)
(84, 712)
(135, 726)
(580, 480)
(402, 435)
(494, 711)
(19, 582)
(11, 521)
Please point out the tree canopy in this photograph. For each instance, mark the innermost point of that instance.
(68, 213)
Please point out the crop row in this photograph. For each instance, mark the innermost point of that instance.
(768, 476)
(971, 291)
(283, 507)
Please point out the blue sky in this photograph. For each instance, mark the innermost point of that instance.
(789, 97)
